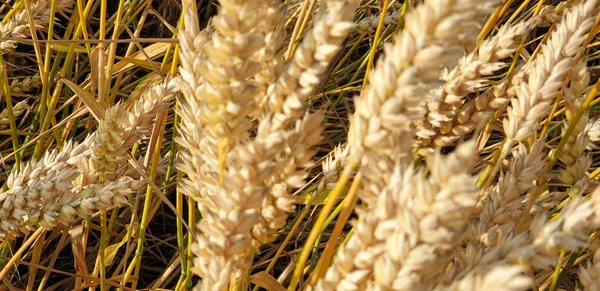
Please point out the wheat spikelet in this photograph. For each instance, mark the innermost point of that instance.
(281, 130)
(219, 96)
(36, 185)
(119, 130)
(538, 247)
(198, 164)
(28, 84)
(303, 73)
(219, 93)
(108, 140)
(501, 278)
(332, 167)
(404, 240)
(590, 275)
(18, 109)
(546, 75)
(453, 116)
(244, 213)
(99, 197)
(227, 92)
(46, 193)
(49, 191)
(576, 162)
(246, 198)
(18, 25)
(382, 126)
(153, 101)
(270, 56)
(501, 207)
(370, 23)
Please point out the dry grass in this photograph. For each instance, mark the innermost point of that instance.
(299, 145)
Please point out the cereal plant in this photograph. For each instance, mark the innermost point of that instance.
(299, 145)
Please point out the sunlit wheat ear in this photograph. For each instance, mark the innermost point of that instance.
(227, 93)
(370, 23)
(219, 91)
(546, 76)
(246, 197)
(219, 95)
(501, 278)
(18, 25)
(270, 55)
(589, 276)
(287, 137)
(576, 162)
(453, 115)
(538, 248)
(43, 193)
(383, 126)
(36, 185)
(392, 247)
(119, 129)
(301, 76)
(501, 206)
(332, 167)
(108, 140)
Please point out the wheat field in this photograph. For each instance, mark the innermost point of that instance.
(300, 145)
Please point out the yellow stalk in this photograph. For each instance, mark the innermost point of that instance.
(35, 259)
(158, 132)
(17, 255)
(386, 4)
(317, 228)
(294, 37)
(348, 206)
(11, 116)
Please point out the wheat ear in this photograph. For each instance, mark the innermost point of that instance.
(18, 25)
(453, 115)
(249, 198)
(400, 247)
(383, 125)
(547, 73)
(36, 185)
(18, 109)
